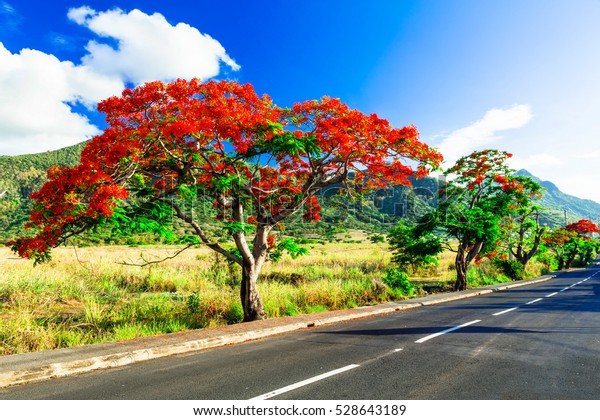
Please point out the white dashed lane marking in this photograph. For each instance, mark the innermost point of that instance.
(533, 301)
(429, 337)
(303, 383)
(505, 311)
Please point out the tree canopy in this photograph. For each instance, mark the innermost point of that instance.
(477, 196)
(168, 145)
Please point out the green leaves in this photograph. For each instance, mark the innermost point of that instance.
(225, 182)
(414, 246)
(154, 217)
(289, 245)
(236, 227)
(187, 192)
(290, 144)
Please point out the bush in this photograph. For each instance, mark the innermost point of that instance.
(235, 314)
(193, 303)
(400, 281)
(512, 269)
(376, 238)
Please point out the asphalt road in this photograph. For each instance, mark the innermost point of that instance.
(535, 342)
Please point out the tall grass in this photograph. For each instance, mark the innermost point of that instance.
(93, 295)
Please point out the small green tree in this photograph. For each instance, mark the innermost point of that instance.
(575, 239)
(477, 197)
(414, 247)
(522, 228)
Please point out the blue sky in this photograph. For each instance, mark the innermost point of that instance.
(521, 76)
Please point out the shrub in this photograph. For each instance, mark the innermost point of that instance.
(400, 281)
(512, 269)
(193, 303)
(376, 238)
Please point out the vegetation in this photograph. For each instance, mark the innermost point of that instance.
(88, 295)
(572, 241)
(487, 211)
(170, 145)
(172, 170)
(19, 177)
(474, 202)
(377, 212)
(101, 294)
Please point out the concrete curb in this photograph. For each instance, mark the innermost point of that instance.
(34, 367)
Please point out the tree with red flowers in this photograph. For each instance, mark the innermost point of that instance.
(168, 144)
(521, 230)
(575, 239)
(477, 196)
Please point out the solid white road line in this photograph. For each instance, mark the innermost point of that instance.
(505, 311)
(429, 337)
(303, 383)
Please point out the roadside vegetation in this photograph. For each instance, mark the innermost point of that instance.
(183, 165)
(91, 295)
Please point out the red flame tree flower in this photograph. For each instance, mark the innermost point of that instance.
(573, 240)
(168, 143)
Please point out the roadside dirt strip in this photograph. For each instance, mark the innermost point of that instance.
(31, 367)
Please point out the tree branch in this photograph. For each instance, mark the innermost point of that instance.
(200, 233)
(158, 261)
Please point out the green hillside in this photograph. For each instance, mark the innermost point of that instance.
(557, 203)
(21, 175)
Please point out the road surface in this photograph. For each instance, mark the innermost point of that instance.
(536, 342)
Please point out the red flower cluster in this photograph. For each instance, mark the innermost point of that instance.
(482, 168)
(223, 139)
(583, 227)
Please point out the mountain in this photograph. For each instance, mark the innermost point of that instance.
(557, 203)
(20, 175)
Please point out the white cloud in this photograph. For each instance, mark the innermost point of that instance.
(149, 47)
(80, 14)
(483, 133)
(37, 90)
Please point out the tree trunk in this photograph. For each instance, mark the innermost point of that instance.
(461, 276)
(464, 256)
(462, 266)
(526, 256)
(251, 302)
(571, 257)
(561, 262)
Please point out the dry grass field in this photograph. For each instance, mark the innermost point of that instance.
(98, 294)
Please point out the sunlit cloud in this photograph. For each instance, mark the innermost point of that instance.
(149, 47)
(483, 133)
(35, 92)
(38, 91)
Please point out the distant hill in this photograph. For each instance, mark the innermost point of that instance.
(557, 202)
(21, 175)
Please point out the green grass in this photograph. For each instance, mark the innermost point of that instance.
(90, 296)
